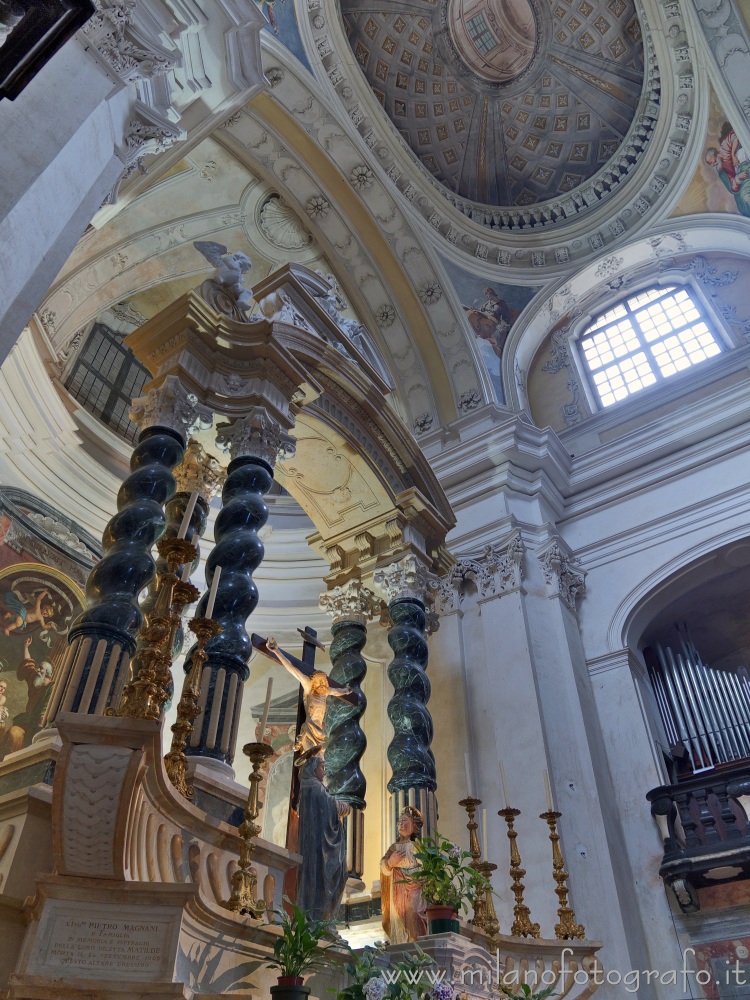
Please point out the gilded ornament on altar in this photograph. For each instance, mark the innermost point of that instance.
(567, 929)
(243, 898)
(144, 697)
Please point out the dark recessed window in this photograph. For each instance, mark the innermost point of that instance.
(106, 377)
(644, 340)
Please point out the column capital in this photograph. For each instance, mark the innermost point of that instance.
(407, 578)
(352, 601)
(561, 575)
(170, 405)
(497, 570)
(199, 472)
(257, 435)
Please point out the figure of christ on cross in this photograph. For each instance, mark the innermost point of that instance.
(316, 690)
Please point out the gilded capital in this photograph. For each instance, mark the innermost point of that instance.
(199, 472)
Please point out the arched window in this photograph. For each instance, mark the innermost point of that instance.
(645, 339)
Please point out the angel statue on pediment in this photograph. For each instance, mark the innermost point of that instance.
(225, 291)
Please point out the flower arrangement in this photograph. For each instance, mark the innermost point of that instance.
(297, 951)
(445, 875)
(404, 980)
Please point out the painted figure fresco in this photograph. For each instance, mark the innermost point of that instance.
(491, 311)
(733, 167)
(38, 604)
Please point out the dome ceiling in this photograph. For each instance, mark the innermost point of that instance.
(505, 102)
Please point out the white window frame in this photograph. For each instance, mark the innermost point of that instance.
(672, 385)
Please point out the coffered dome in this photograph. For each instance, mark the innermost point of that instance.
(506, 104)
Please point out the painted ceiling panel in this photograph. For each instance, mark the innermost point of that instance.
(504, 103)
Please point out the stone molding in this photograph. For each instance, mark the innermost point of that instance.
(498, 570)
(626, 191)
(351, 601)
(406, 579)
(170, 405)
(95, 778)
(258, 435)
(563, 578)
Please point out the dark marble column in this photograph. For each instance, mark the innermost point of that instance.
(351, 606)
(413, 779)
(102, 640)
(254, 442)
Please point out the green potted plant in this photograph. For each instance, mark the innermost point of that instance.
(447, 881)
(297, 951)
(524, 992)
(404, 978)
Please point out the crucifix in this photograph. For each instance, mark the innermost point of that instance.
(315, 689)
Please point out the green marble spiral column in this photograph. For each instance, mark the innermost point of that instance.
(413, 779)
(351, 606)
(102, 640)
(254, 442)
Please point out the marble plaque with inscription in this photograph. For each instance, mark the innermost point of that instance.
(133, 943)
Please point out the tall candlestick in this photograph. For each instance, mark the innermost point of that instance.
(266, 710)
(484, 832)
(506, 797)
(182, 533)
(212, 595)
(469, 789)
(550, 807)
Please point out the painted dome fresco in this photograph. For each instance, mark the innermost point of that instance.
(505, 102)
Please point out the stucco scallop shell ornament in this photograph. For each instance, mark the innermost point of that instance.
(281, 226)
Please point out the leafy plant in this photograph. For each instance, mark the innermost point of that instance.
(445, 875)
(525, 993)
(404, 980)
(297, 951)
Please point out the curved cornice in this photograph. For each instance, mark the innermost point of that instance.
(592, 218)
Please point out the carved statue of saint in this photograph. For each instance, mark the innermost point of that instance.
(322, 844)
(316, 691)
(403, 908)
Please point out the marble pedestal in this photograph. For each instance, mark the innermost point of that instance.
(118, 939)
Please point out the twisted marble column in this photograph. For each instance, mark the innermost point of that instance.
(102, 640)
(413, 780)
(253, 442)
(351, 606)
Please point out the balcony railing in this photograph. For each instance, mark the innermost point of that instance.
(705, 826)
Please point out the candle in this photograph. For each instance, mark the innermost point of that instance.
(186, 572)
(469, 791)
(182, 533)
(212, 594)
(550, 807)
(266, 710)
(484, 833)
(506, 797)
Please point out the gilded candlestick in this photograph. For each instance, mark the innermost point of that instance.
(175, 761)
(567, 929)
(245, 880)
(490, 924)
(522, 923)
(145, 695)
(470, 805)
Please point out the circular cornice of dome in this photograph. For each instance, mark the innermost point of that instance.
(631, 191)
(506, 104)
